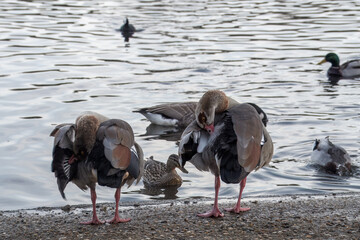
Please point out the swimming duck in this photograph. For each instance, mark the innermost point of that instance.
(229, 140)
(159, 174)
(180, 114)
(348, 69)
(331, 157)
(127, 30)
(96, 150)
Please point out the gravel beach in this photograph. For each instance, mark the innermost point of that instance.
(287, 217)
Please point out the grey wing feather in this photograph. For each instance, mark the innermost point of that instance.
(183, 111)
(62, 151)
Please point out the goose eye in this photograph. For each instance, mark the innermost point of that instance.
(202, 118)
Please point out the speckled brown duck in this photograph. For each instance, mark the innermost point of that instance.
(161, 175)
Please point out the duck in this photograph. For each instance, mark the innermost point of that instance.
(350, 69)
(127, 30)
(180, 114)
(96, 150)
(161, 175)
(333, 158)
(228, 139)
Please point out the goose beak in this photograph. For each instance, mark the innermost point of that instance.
(72, 159)
(209, 128)
(322, 61)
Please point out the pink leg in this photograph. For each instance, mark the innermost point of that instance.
(215, 212)
(117, 219)
(237, 208)
(95, 220)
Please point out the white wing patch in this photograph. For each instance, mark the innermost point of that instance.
(160, 120)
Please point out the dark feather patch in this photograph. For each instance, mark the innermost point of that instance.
(225, 149)
(190, 149)
(133, 168)
(64, 172)
(103, 167)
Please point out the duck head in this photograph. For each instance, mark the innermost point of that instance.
(332, 58)
(173, 162)
(212, 102)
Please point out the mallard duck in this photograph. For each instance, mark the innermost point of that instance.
(127, 30)
(332, 158)
(180, 114)
(229, 140)
(348, 69)
(96, 150)
(159, 174)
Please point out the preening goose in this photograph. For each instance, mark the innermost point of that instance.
(180, 114)
(161, 175)
(350, 69)
(331, 157)
(229, 140)
(96, 150)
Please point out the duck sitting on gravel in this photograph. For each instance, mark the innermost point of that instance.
(159, 174)
(334, 159)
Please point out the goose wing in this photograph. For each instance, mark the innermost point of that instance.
(238, 144)
(195, 147)
(62, 151)
(116, 138)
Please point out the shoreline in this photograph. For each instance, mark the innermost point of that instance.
(335, 216)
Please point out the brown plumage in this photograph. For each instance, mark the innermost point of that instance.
(170, 114)
(96, 150)
(159, 174)
(230, 141)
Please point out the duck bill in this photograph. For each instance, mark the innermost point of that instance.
(183, 169)
(322, 61)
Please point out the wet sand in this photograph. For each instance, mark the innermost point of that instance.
(290, 217)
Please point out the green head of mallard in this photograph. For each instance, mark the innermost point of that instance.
(331, 58)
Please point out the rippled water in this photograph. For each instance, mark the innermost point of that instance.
(59, 58)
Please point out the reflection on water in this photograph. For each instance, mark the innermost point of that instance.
(161, 193)
(154, 131)
(60, 58)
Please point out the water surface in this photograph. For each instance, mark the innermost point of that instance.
(59, 58)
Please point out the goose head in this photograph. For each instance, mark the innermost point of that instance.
(85, 136)
(212, 102)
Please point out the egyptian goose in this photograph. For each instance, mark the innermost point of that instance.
(350, 69)
(161, 175)
(96, 150)
(180, 114)
(229, 140)
(127, 30)
(333, 158)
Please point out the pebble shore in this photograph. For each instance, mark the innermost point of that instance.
(288, 217)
